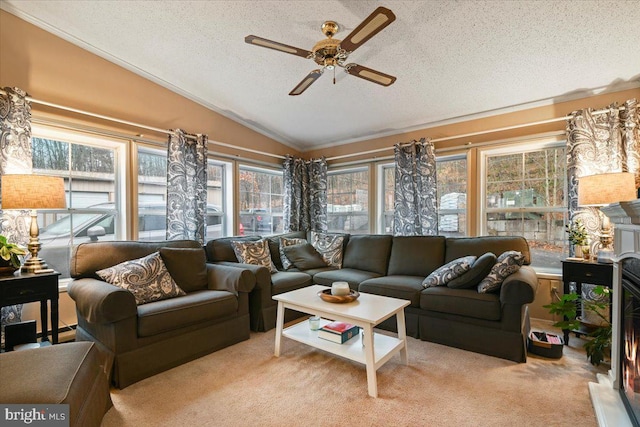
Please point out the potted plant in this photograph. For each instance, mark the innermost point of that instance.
(10, 254)
(599, 346)
(578, 235)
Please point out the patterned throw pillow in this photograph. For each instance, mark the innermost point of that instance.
(329, 246)
(284, 242)
(507, 263)
(256, 253)
(146, 278)
(442, 275)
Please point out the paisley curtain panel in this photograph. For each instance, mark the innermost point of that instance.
(15, 157)
(415, 208)
(186, 186)
(305, 194)
(600, 143)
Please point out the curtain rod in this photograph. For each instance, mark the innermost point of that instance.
(166, 131)
(466, 135)
(138, 125)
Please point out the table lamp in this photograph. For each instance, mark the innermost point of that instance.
(33, 192)
(603, 189)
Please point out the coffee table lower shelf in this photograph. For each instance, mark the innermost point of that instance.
(384, 346)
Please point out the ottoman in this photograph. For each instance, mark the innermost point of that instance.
(72, 373)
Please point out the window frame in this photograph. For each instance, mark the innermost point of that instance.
(252, 167)
(525, 145)
(120, 149)
(354, 169)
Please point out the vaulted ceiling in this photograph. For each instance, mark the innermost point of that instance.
(452, 59)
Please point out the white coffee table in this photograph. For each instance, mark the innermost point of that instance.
(367, 311)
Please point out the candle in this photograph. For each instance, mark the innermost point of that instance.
(340, 288)
(314, 323)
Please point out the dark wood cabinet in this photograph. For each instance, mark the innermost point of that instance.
(22, 288)
(580, 272)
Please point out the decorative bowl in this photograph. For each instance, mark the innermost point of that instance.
(339, 299)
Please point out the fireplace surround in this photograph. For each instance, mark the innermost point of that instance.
(616, 396)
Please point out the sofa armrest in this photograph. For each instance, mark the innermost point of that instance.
(100, 302)
(230, 278)
(520, 287)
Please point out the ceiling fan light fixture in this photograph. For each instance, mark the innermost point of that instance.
(330, 63)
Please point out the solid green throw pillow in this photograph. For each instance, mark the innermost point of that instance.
(304, 256)
(187, 266)
(476, 273)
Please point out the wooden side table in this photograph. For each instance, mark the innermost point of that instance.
(580, 272)
(21, 288)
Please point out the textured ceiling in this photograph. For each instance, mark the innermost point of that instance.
(451, 58)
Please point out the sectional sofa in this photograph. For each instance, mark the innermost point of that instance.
(494, 323)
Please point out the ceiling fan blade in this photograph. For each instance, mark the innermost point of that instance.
(370, 74)
(372, 25)
(259, 41)
(306, 82)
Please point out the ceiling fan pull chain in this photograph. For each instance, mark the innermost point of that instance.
(334, 75)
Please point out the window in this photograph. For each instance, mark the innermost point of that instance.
(452, 196)
(260, 201)
(152, 194)
(451, 193)
(524, 194)
(388, 190)
(216, 179)
(90, 168)
(348, 201)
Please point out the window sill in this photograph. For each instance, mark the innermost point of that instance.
(551, 274)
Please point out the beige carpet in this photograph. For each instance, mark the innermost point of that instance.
(245, 385)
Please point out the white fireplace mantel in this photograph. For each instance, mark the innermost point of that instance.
(605, 395)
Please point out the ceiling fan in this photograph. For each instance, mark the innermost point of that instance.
(331, 52)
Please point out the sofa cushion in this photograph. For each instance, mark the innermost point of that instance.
(187, 266)
(478, 271)
(403, 287)
(284, 242)
(462, 246)
(285, 281)
(507, 263)
(254, 252)
(93, 256)
(443, 275)
(146, 278)
(368, 252)
(274, 245)
(352, 276)
(196, 307)
(304, 256)
(462, 302)
(221, 249)
(416, 255)
(330, 246)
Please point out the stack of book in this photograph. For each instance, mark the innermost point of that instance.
(339, 332)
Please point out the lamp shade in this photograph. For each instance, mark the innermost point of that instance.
(600, 190)
(33, 192)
